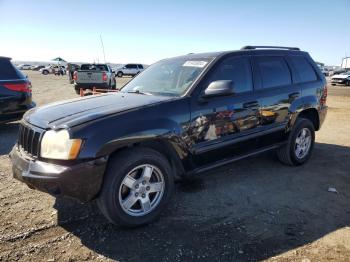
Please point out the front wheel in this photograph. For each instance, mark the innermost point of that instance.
(137, 185)
(299, 146)
(120, 74)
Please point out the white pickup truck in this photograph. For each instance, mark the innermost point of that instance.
(94, 75)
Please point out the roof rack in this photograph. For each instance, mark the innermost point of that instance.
(251, 47)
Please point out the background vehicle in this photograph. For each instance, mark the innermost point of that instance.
(15, 92)
(341, 79)
(180, 117)
(37, 67)
(24, 67)
(325, 71)
(94, 75)
(53, 69)
(129, 70)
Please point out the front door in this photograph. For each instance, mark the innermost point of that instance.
(217, 123)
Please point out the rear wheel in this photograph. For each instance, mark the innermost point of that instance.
(45, 72)
(120, 74)
(300, 144)
(138, 184)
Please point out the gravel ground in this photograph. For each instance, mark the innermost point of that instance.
(255, 209)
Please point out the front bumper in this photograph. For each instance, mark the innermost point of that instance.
(81, 180)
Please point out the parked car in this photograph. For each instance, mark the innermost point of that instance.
(53, 69)
(325, 71)
(24, 67)
(37, 67)
(341, 79)
(94, 75)
(15, 92)
(180, 117)
(129, 70)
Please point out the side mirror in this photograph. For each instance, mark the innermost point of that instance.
(219, 88)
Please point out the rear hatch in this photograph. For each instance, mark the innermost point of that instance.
(15, 89)
(91, 74)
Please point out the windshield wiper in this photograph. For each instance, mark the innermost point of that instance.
(139, 92)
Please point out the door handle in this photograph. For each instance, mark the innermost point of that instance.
(294, 95)
(251, 104)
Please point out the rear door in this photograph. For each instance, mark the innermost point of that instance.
(275, 92)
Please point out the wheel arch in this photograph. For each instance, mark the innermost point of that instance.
(306, 108)
(162, 145)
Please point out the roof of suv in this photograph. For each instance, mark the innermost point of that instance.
(250, 49)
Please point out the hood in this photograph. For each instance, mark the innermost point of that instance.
(73, 112)
(341, 76)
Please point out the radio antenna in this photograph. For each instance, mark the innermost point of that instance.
(103, 49)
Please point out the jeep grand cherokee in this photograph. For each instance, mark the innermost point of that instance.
(180, 117)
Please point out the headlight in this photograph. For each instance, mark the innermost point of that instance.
(58, 145)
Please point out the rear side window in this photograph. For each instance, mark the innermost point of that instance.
(8, 71)
(238, 70)
(274, 71)
(303, 68)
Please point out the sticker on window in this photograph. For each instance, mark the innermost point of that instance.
(195, 63)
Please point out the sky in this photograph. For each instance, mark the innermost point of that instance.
(146, 31)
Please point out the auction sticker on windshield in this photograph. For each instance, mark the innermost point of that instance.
(195, 63)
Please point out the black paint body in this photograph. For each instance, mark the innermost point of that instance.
(195, 133)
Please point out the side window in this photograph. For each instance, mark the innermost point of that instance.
(303, 68)
(274, 71)
(128, 66)
(238, 70)
(133, 66)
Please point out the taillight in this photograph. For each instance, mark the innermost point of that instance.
(22, 87)
(323, 98)
(75, 75)
(104, 77)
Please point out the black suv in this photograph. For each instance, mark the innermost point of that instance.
(179, 117)
(15, 92)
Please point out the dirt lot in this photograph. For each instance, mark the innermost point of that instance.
(251, 210)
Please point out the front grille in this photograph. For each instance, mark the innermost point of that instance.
(29, 139)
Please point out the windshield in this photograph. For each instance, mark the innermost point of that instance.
(171, 77)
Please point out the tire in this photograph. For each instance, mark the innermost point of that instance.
(119, 170)
(287, 154)
(45, 72)
(347, 83)
(333, 84)
(120, 74)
